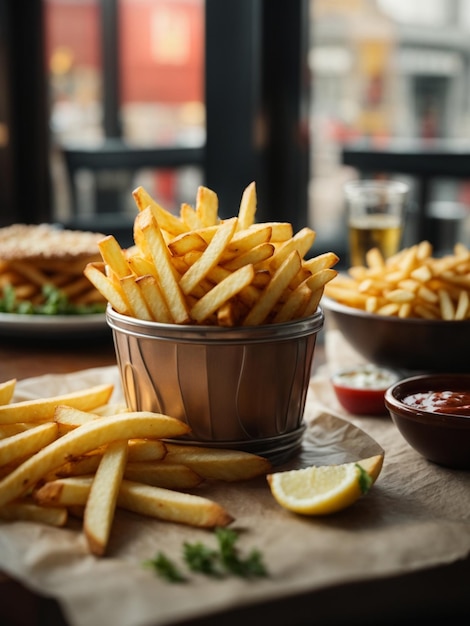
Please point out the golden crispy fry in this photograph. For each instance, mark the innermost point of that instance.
(247, 210)
(189, 217)
(164, 504)
(313, 303)
(114, 256)
(164, 218)
(301, 241)
(7, 430)
(31, 512)
(173, 506)
(42, 409)
(83, 465)
(181, 245)
(274, 289)
(70, 491)
(245, 240)
(7, 389)
(166, 475)
(94, 273)
(255, 256)
(280, 231)
(222, 292)
(321, 262)
(217, 463)
(27, 442)
(319, 279)
(139, 451)
(141, 266)
(207, 206)
(171, 289)
(102, 499)
(209, 258)
(135, 299)
(154, 299)
(296, 301)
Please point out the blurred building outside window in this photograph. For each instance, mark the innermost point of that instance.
(383, 70)
(380, 69)
(161, 60)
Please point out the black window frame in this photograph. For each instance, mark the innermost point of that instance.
(257, 101)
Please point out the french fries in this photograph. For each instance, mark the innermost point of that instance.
(102, 498)
(43, 409)
(7, 389)
(196, 268)
(58, 460)
(217, 464)
(413, 283)
(165, 504)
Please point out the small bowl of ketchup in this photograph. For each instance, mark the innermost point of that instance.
(432, 412)
(361, 389)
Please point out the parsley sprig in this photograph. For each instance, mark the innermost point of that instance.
(218, 563)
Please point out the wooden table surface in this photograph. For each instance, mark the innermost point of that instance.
(27, 357)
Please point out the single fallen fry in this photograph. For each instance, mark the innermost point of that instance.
(217, 463)
(164, 504)
(42, 409)
(162, 474)
(30, 512)
(7, 389)
(101, 502)
(26, 443)
(172, 506)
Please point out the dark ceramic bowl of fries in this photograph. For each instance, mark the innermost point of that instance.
(242, 387)
(406, 344)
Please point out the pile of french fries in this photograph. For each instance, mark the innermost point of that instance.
(78, 454)
(196, 268)
(412, 283)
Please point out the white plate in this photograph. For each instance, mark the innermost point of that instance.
(49, 326)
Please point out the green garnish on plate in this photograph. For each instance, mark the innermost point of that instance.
(55, 302)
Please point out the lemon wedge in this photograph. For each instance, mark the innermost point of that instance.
(321, 490)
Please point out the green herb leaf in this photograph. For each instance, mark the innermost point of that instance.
(250, 567)
(165, 568)
(200, 558)
(214, 563)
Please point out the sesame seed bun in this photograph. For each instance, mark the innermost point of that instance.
(29, 242)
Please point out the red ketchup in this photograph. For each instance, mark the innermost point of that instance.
(453, 402)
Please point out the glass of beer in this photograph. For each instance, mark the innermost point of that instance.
(376, 215)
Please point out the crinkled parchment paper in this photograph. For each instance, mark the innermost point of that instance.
(415, 516)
